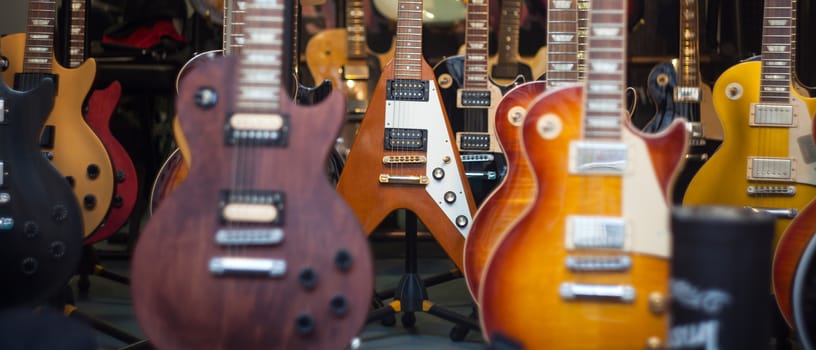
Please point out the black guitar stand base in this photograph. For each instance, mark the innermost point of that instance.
(89, 265)
(411, 295)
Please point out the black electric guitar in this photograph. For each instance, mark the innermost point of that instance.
(678, 92)
(40, 221)
(257, 250)
(471, 98)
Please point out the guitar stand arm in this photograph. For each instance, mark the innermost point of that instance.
(102, 326)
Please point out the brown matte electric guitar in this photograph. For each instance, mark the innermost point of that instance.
(404, 155)
(67, 140)
(587, 266)
(257, 250)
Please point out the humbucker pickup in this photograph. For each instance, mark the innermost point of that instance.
(401, 139)
(474, 141)
(597, 158)
(406, 90)
(595, 232)
(771, 115)
(236, 237)
(249, 206)
(2, 111)
(687, 94)
(472, 98)
(771, 169)
(256, 129)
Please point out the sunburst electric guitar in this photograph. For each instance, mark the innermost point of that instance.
(766, 160)
(678, 92)
(404, 155)
(587, 266)
(513, 195)
(257, 250)
(66, 139)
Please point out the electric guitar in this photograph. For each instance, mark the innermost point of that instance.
(341, 55)
(66, 139)
(404, 155)
(265, 254)
(766, 159)
(40, 221)
(678, 92)
(567, 44)
(470, 99)
(100, 108)
(587, 265)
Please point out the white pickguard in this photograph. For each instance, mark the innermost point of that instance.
(430, 116)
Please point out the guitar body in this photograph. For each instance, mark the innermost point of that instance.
(512, 195)
(722, 180)
(522, 292)
(326, 57)
(77, 151)
(171, 174)
(41, 247)
(372, 200)
(661, 86)
(789, 250)
(101, 106)
(185, 306)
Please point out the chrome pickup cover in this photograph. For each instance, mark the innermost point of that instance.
(231, 237)
(595, 232)
(598, 263)
(574, 291)
(687, 94)
(771, 169)
(597, 158)
(222, 266)
(771, 115)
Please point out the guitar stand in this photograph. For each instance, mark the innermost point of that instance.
(89, 265)
(411, 295)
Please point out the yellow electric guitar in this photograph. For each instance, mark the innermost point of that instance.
(66, 139)
(767, 158)
(342, 56)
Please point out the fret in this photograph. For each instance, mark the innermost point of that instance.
(562, 42)
(261, 54)
(408, 50)
(777, 48)
(41, 19)
(76, 51)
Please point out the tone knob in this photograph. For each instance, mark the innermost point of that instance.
(31, 229)
(438, 173)
(461, 221)
(206, 97)
(5, 197)
(339, 304)
(93, 171)
(89, 201)
(450, 197)
(304, 324)
(308, 278)
(59, 213)
(29, 266)
(342, 260)
(120, 176)
(57, 250)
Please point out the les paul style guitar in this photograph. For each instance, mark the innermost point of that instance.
(766, 159)
(66, 139)
(101, 106)
(40, 221)
(566, 40)
(258, 251)
(470, 99)
(678, 92)
(404, 155)
(587, 265)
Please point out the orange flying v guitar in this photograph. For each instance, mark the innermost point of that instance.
(67, 140)
(566, 42)
(404, 155)
(257, 250)
(587, 266)
(766, 160)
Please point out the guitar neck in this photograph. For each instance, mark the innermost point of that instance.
(39, 46)
(76, 37)
(476, 45)
(776, 51)
(355, 30)
(688, 68)
(607, 63)
(562, 42)
(234, 11)
(408, 51)
(509, 22)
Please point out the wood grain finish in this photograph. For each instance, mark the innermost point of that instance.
(789, 250)
(520, 292)
(513, 194)
(230, 109)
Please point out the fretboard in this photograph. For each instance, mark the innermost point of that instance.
(476, 48)
(777, 32)
(509, 22)
(583, 34)
(562, 42)
(39, 45)
(260, 59)
(76, 36)
(606, 78)
(234, 11)
(408, 51)
(355, 30)
(689, 58)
